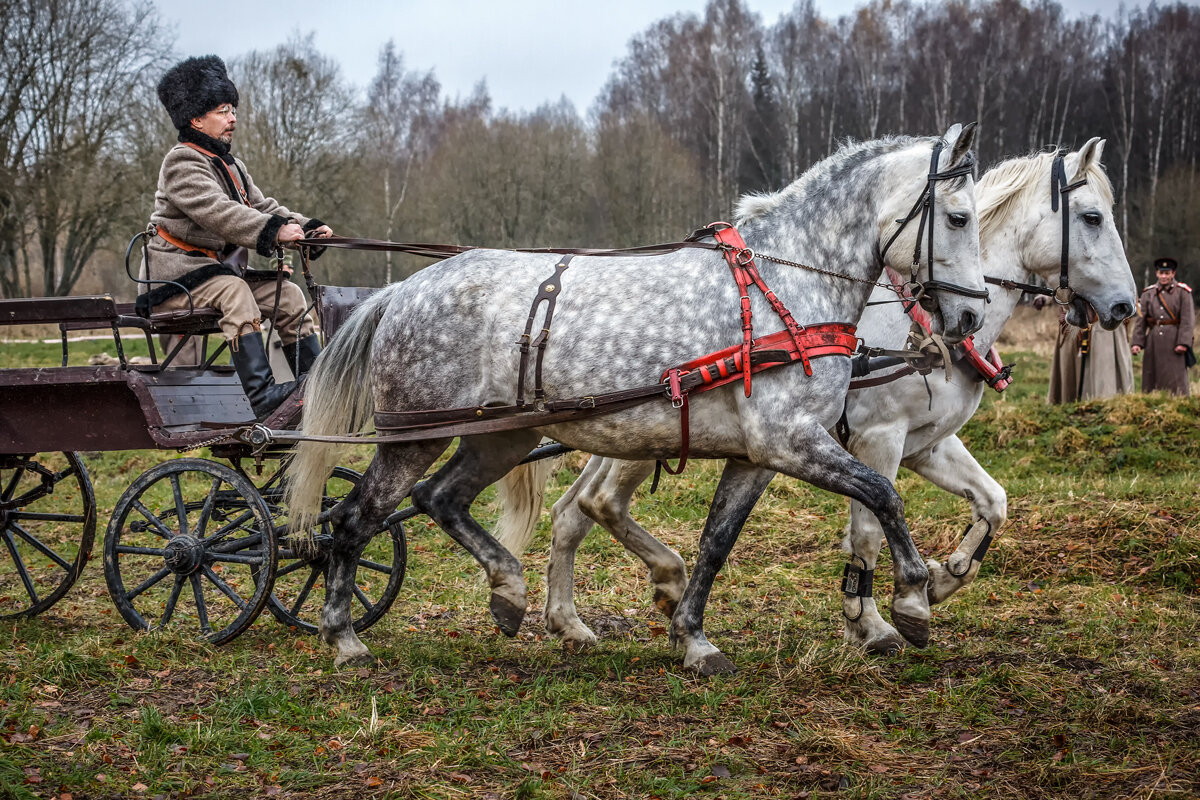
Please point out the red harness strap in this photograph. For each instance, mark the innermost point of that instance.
(741, 264)
(990, 368)
(725, 366)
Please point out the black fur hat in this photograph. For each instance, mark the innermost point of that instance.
(194, 87)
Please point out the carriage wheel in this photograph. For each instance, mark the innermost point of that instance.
(47, 523)
(190, 543)
(299, 590)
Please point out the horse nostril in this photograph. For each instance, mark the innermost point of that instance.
(968, 323)
(1122, 311)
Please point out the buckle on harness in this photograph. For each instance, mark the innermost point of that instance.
(675, 388)
(743, 256)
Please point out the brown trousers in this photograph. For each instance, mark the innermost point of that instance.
(244, 305)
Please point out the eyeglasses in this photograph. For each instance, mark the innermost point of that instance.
(225, 111)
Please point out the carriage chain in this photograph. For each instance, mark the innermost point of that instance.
(225, 437)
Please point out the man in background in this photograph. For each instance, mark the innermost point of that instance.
(1164, 329)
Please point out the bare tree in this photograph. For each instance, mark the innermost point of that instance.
(395, 131)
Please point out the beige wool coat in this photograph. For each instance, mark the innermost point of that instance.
(199, 201)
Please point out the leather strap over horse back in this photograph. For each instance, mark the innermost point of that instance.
(550, 289)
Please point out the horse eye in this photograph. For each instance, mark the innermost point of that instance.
(1093, 218)
(958, 220)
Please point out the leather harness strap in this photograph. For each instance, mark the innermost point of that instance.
(548, 293)
(176, 242)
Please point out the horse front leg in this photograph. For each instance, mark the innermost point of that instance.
(819, 460)
(354, 522)
(446, 498)
(741, 485)
(865, 627)
(949, 465)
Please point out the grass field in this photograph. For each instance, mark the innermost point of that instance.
(1069, 669)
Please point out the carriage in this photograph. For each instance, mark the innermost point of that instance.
(191, 539)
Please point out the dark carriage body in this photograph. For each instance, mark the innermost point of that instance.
(212, 520)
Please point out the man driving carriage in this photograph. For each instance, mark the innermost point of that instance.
(207, 213)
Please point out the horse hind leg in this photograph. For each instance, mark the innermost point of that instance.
(607, 501)
(447, 496)
(951, 466)
(568, 528)
(354, 521)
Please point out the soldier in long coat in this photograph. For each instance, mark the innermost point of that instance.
(1164, 329)
(207, 213)
(1089, 363)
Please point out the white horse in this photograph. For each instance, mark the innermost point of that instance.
(898, 423)
(433, 354)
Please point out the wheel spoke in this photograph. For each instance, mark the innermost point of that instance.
(201, 607)
(180, 506)
(237, 558)
(308, 586)
(21, 570)
(206, 509)
(227, 529)
(37, 545)
(146, 584)
(41, 516)
(171, 601)
(12, 484)
(385, 569)
(362, 598)
(245, 543)
(290, 568)
(131, 550)
(153, 519)
(223, 586)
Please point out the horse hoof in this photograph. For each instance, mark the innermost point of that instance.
(574, 646)
(889, 645)
(713, 664)
(914, 629)
(507, 614)
(359, 660)
(665, 603)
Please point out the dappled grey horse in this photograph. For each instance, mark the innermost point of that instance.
(910, 421)
(447, 338)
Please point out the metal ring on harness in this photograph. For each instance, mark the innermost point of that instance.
(916, 290)
(1064, 295)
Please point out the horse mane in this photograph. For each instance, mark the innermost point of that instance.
(759, 204)
(1002, 188)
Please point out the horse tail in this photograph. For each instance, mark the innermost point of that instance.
(338, 399)
(520, 494)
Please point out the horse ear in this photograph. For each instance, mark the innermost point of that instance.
(961, 143)
(1089, 155)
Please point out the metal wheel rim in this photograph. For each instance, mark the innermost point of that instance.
(33, 533)
(227, 541)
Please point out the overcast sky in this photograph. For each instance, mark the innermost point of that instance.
(529, 51)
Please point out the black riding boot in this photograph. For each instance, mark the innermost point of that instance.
(254, 371)
(301, 354)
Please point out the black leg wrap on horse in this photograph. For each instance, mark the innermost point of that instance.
(857, 582)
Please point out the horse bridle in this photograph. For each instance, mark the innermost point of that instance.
(1060, 202)
(925, 205)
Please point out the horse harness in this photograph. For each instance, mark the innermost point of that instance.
(796, 343)
(1060, 202)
